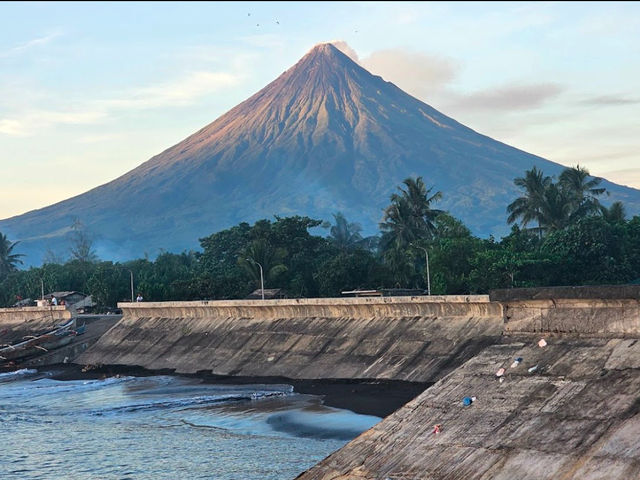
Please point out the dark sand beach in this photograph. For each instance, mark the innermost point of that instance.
(368, 397)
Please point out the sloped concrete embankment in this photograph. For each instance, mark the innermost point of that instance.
(16, 323)
(417, 339)
(568, 410)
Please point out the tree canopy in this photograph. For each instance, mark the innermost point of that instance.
(562, 234)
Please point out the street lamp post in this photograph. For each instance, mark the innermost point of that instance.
(42, 289)
(426, 256)
(261, 276)
(131, 285)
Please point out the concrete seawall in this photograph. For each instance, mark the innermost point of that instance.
(415, 339)
(569, 410)
(11, 317)
(18, 322)
(603, 312)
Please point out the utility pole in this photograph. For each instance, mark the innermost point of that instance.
(426, 256)
(131, 285)
(261, 276)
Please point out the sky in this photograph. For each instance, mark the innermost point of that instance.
(90, 90)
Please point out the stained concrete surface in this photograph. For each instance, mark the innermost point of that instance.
(316, 340)
(575, 417)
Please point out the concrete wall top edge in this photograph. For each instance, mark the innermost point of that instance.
(600, 292)
(314, 301)
(33, 309)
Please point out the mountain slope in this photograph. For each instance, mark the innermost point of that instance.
(325, 136)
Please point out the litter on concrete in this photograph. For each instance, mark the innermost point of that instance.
(516, 362)
(466, 401)
(542, 343)
(533, 369)
(501, 379)
(436, 429)
(500, 372)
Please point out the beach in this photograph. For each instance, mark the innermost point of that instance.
(366, 397)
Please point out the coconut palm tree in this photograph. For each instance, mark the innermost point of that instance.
(581, 191)
(261, 253)
(8, 259)
(556, 208)
(615, 213)
(410, 217)
(528, 208)
(396, 227)
(343, 234)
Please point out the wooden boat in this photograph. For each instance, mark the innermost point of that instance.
(37, 345)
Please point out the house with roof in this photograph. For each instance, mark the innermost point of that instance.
(77, 302)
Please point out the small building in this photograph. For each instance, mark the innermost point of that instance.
(27, 302)
(75, 301)
(269, 294)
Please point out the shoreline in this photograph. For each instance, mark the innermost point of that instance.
(366, 397)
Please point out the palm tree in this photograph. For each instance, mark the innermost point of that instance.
(261, 252)
(555, 208)
(529, 206)
(401, 262)
(396, 227)
(581, 191)
(615, 213)
(410, 217)
(8, 259)
(346, 236)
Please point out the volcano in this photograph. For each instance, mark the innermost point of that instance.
(325, 136)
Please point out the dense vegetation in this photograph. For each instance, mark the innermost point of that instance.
(561, 235)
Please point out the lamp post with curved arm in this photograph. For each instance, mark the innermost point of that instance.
(426, 256)
(261, 276)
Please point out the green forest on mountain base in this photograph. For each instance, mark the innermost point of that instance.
(561, 235)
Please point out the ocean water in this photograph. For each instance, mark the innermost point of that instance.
(163, 427)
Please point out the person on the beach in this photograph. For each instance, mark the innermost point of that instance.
(139, 298)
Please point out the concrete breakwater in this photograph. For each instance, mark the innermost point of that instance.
(20, 324)
(604, 311)
(569, 409)
(566, 408)
(417, 339)
(15, 323)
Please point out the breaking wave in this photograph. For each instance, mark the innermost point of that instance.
(17, 375)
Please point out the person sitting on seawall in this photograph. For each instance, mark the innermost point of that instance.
(54, 301)
(139, 298)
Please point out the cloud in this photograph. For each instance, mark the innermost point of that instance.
(12, 127)
(417, 73)
(32, 121)
(346, 49)
(30, 44)
(180, 92)
(510, 97)
(610, 100)
(98, 138)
